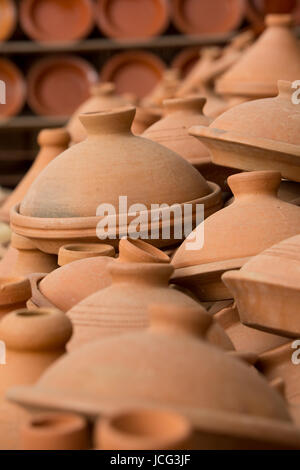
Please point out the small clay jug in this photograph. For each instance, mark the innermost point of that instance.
(55, 431)
(103, 97)
(172, 130)
(254, 222)
(143, 429)
(52, 142)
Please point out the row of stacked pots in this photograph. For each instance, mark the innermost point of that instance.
(129, 343)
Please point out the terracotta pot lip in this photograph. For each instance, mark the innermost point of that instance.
(54, 137)
(10, 26)
(155, 269)
(20, 84)
(35, 33)
(232, 424)
(137, 248)
(276, 355)
(246, 89)
(119, 111)
(45, 424)
(38, 299)
(188, 272)
(14, 290)
(196, 99)
(109, 30)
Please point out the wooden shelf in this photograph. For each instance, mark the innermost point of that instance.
(95, 45)
(32, 122)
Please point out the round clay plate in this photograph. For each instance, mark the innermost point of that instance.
(207, 17)
(133, 72)
(56, 20)
(132, 18)
(12, 89)
(8, 18)
(185, 60)
(57, 86)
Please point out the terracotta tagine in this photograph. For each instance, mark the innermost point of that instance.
(55, 431)
(132, 19)
(257, 9)
(258, 135)
(254, 222)
(213, 17)
(33, 340)
(274, 56)
(143, 429)
(165, 89)
(267, 289)
(61, 205)
(57, 86)
(8, 19)
(172, 130)
(244, 338)
(56, 20)
(103, 97)
(170, 365)
(52, 142)
(15, 89)
(136, 72)
(144, 118)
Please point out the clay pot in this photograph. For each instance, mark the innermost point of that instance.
(244, 338)
(136, 72)
(15, 89)
(216, 16)
(185, 60)
(52, 142)
(165, 89)
(144, 118)
(257, 9)
(8, 19)
(254, 222)
(258, 135)
(143, 429)
(58, 85)
(170, 365)
(103, 97)
(56, 20)
(69, 253)
(61, 205)
(14, 293)
(172, 130)
(267, 289)
(274, 56)
(55, 431)
(133, 19)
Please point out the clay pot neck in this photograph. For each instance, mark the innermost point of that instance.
(138, 251)
(255, 183)
(285, 90)
(103, 89)
(148, 274)
(54, 138)
(167, 318)
(192, 104)
(282, 21)
(117, 121)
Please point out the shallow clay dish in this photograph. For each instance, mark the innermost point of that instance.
(8, 19)
(56, 20)
(124, 19)
(134, 72)
(58, 85)
(15, 88)
(207, 17)
(170, 365)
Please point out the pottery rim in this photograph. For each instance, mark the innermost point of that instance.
(69, 253)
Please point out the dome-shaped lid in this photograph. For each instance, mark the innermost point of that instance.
(109, 163)
(255, 221)
(270, 118)
(169, 364)
(274, 56)
(172, 130)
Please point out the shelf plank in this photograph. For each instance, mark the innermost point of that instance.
(32, 122)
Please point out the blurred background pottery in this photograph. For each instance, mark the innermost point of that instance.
(185, 60)
(144, 118)
(257, 9)
(58, 85)
(15, 88)
(8, 19)
(69, 253)
(14, 293)
(56, 20)
(131, 19)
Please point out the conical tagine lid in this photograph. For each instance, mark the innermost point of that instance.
(274, 56)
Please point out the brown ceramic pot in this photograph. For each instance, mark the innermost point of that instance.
(136, 72)
(55, 431)
(258, 135)
(185, 60)
(56, 20)
(170, 365)
(58, 85)
(15, 89)
(103, 97)
(172, 130)
(8, 19)
(62, 204)
(254, 222)
(267, 289)
(143, 429)
(274, 56)
(215, 16)
(125, 19)
(52, 142)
